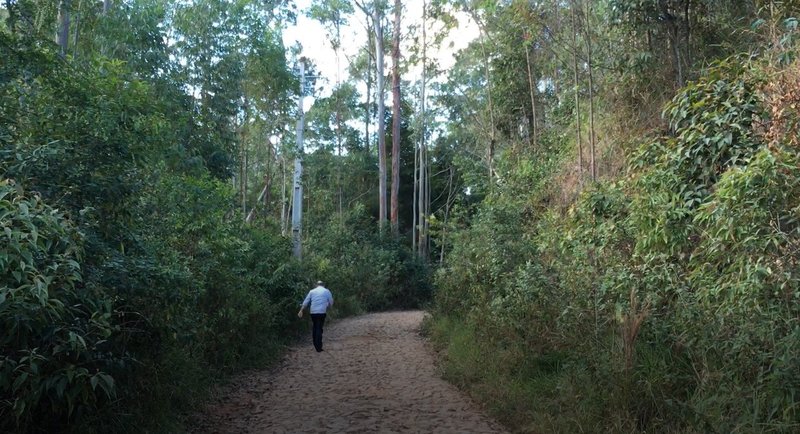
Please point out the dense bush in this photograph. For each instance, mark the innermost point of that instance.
(367, 271)
(128, 283)
(54, 353)
(138, 284)
(666, 300)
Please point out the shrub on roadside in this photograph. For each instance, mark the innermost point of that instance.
(670, 294)
(54, 351)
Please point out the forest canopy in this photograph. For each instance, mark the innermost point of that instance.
(597, 203)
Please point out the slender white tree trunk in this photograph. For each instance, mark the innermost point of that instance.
(422, 220)
(447, 204)
(284, 203)
(376, 22)
(533, 99)
(592, 139)
(577, 97)
(396, 121)
(369, 100)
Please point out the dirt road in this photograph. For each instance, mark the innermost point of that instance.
(376, 375)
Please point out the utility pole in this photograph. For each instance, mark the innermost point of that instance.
(297, 193)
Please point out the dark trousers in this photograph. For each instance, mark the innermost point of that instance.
(318, 319)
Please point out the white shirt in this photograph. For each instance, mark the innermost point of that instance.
(320, 299)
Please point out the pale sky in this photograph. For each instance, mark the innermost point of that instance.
(313, 38)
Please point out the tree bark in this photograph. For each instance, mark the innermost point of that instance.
(242, 129)
(268, 180)
(339, 189)
(62, 35)
(533, 99)
(688, 33)
(577, 97)
(244, 178)
(376, 22)
(676, 54)
(284, 202)
(422, 197)
(76, 30)
(369, 89)
(263, 196)
(11, 7)
(427, 226)
(674, 40)
(490, 149)
(556, 65)
(396, 120)
(414, 205)
(443, 241)
(592, 140)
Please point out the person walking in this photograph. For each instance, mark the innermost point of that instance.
(320, 299)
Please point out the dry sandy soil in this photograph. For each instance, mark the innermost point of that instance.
(376, 375)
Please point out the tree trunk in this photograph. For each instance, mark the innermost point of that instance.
(12, 19)
(268, 196)
(533, 99)
(263, 196)
(414, 231)
(426, 225)
(339, 190)
(577, 97)
(76, 30)
(490, 148)
(62, 35)
(284, 202)
(676, 54)
(446, 214)
(369, 89)
(592, 140)
(674, 40)
(422, 219)
(242, 129)
(376, 22)
(687, 33)
(557, 65)
(244, 178)
(396, 120)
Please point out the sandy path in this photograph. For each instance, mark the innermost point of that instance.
(376, 375)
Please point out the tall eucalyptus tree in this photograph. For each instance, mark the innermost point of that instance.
(396, 119)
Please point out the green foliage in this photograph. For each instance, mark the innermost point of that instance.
(713, 118)
(53, 351)
(328, 121)
(227, 286)
(526, 389)
(745, 273)
(367, 272)
(672, 292)
(145, 287)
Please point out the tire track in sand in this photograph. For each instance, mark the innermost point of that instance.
(376, 375)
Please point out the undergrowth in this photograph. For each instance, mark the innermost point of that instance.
(660, 301)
